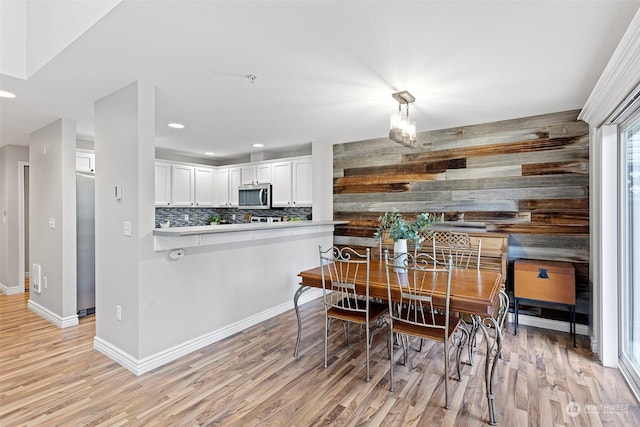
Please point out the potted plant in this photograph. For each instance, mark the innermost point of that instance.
(213, 220)
(393, 226)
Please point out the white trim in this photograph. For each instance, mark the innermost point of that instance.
(61, 322)
(21, 225)
(141, 366)
(11, 290)
(618, 79)
(554, 325)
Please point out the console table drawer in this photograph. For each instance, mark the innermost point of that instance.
(545, 281)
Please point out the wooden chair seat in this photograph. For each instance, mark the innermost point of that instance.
(421, 331)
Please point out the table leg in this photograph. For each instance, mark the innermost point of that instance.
(494, 348)
(299, 292)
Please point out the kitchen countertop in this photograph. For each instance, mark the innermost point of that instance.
(228, 228)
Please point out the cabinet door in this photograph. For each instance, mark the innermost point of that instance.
(85, 162)
(281, 184)
(203, 186)
(222, 188)
(182, 185)
(234, 183)
(301, 180)
(163, 184)
(248, 175)
(263, 173)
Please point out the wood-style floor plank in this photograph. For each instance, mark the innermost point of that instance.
(53, 377)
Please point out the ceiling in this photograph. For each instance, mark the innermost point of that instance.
(325, 70)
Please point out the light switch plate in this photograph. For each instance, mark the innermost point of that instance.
(127, 228)
(52, 222)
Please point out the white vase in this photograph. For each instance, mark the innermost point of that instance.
(400, 253)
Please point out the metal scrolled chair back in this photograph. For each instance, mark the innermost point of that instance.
(458, 246)
(342, 265)
(419, 277)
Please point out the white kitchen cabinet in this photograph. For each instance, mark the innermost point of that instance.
(301, 180)
(226, 187)
(281, 189)
(163, 184)
(203, 186)
(256, 174)
(292, 185)
(182, 185)
(85, 161)
(234, 183)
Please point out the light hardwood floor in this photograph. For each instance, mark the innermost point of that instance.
(51, 376)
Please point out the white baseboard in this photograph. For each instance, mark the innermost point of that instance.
(11, 290)
(61, 322)
(141, 366)
(554, 325)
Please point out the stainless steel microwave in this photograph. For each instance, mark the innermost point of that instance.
(254, 196)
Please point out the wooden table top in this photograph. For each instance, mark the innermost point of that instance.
(472, 291)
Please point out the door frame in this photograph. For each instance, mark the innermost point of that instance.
(21, 223)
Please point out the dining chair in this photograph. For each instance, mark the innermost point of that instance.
(464, 255)
(342, 300)
(458, 246)
(413, 287)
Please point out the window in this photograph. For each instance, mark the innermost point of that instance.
(629, 291)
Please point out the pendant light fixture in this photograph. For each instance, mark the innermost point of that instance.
(402, 129)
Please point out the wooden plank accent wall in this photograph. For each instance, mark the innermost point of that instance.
(527, 177)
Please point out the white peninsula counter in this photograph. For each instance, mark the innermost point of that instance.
(206, 235)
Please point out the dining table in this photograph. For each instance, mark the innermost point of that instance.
(477, 293)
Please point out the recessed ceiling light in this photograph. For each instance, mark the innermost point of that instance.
(176, 125)
(209, 153)
(258, 145)
(5, 94)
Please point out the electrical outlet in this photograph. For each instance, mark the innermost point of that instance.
(44, 281)
(186, 217)
(118, 312)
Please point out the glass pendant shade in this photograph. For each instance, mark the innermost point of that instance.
(394, 120)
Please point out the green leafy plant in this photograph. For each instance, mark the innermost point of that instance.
(393, 224)
(214, 219)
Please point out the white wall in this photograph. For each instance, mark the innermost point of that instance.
(10, 158)
(322, 180)
(33, 32)
(171, 307)
(52, 196)
(124, 149)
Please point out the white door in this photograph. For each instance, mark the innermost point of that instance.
(163, 184)
(234, 183)
(182, 185)
(263, 173)
(203, 186)
(281, 184)
(221, 192)
(248, 175)
(302, 185)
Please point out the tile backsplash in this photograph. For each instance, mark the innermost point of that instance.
(199, 216)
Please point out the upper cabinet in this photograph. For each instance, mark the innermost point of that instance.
(163, 184)
(302, 182)
(188, 185)
(226, 187)
(292, 185)
(281, 184)
(182, 185)
(203, 188)
(85, 161)
(256, 174)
